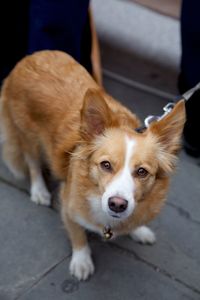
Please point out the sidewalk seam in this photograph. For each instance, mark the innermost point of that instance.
(7, 182)
(154, 267)
(137, 85)
(183, 213)
(42, 277)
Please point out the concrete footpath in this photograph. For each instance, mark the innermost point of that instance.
(35, 251)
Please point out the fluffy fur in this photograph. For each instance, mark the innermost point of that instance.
(51, 109)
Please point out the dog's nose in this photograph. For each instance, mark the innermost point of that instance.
(117, 204)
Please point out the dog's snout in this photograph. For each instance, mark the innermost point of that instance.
(117, 204)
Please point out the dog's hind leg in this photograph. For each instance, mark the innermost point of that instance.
(39, 191)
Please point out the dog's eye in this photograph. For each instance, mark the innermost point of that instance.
(105, 165)
(141, 172)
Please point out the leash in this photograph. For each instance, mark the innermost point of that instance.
(167, 108)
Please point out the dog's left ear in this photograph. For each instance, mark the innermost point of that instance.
(169, 129)
(95, 114)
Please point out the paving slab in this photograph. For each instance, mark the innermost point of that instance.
(168, 256)
(138, 101)
(119, 275)
(139, 29)
(129, 64)
(138, 43)
(32, 241)
(184, 193)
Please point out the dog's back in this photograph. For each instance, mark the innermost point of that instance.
(45, 88)
(41, 103)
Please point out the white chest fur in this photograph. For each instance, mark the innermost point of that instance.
(87, 225)
(99, 218)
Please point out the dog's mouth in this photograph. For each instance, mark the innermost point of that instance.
(116, 216)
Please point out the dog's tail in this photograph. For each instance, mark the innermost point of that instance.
(12, 152)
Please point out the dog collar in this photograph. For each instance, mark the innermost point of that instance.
(167, 108)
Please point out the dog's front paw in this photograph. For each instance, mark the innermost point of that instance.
(81, 265)
(40, 195)
(143, 235)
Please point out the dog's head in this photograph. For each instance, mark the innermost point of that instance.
(124, 165)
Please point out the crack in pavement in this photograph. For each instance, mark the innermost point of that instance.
(153, 266)
(183, 213)
(9, 183)
(42, 277)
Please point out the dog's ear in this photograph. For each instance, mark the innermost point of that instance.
(168, 132)
(169, 129)
(95, 114)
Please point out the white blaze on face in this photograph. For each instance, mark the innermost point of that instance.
(122, 185)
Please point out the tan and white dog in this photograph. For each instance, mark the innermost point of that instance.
(114, 180)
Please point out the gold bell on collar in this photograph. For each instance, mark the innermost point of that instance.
(107, 233)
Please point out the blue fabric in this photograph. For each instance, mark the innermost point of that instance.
(13, 33)
(57, 25)
(190, 38)
(31, 25)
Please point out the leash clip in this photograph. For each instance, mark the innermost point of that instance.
(167, 109)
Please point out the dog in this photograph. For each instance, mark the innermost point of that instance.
(114, 180)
